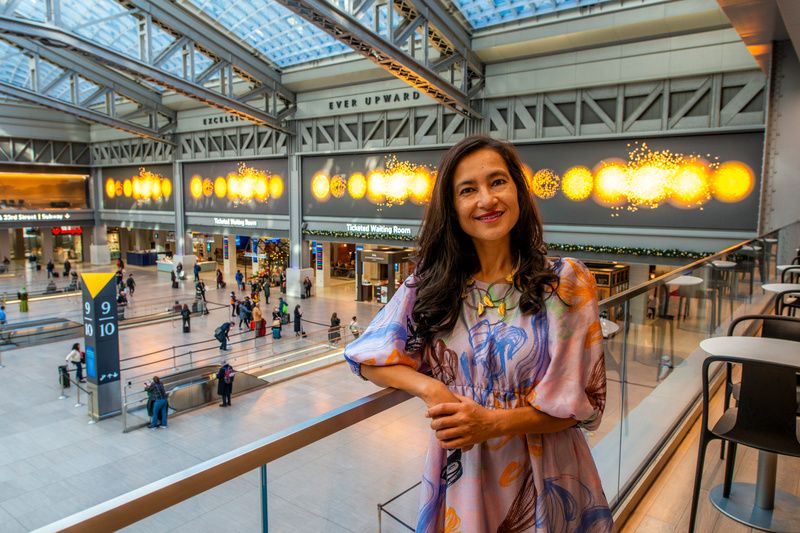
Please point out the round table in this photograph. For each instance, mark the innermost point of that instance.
(780, 287)
(781, 268)
(723, 264)
(759, 505)
(748, 248)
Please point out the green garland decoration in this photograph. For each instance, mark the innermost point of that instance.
(672, 253)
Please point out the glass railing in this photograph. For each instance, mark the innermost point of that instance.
(356, 466)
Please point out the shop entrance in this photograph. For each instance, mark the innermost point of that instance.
(380, 271)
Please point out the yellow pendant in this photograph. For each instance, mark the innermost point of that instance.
(510, 278)
(502, 309)
(470, 282)
(487, 301)
(480, 309)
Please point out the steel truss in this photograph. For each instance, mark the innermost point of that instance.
(242, 141)
(420, 42)
(713, 102)
(140, 113)
(130, 152)
(244, 84)
(39, 152)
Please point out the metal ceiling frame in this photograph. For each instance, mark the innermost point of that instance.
(397, 52)
(225, 99)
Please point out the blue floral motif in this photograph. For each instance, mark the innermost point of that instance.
(493, 346)
(557, 509)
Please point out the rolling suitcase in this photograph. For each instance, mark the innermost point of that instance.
(175, 284)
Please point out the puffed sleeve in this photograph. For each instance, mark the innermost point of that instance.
(574, 385)
(390, 338)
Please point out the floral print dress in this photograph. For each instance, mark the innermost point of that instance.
(552, 361)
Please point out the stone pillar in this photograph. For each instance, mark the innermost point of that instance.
(86, 245)
(323, 277)
(98, 250)
(229, 263)
(124, 241)
(183, 239)
(5, 244)
(47, 245)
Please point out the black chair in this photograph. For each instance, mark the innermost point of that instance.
(765, 417)
(784, 300)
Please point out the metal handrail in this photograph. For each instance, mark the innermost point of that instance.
(138, 504)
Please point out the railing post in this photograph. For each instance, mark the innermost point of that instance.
(78, 393)
(264, 508)
(125, 409)
(174, 365)
(60, 382)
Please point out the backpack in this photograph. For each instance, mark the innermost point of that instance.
(218, 332)
(228, 375)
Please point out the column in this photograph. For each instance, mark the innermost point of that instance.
(5, 244)
(98, 250)
(299, 267)
(184, 252)
(47, 245)
(124, 241)
(324, 276)
(86, 244)
(19, 243)
(229, 262)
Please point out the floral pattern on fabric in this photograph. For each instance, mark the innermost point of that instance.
(552, 361)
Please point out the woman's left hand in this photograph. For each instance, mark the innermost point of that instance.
(461, 425)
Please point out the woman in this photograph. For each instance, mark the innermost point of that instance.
(220, 280)
(75, 356)
(333, 333)
(504, 347)
(277, 324)
(258, 316)
(22, 296)
(298, 315)
(160, 407)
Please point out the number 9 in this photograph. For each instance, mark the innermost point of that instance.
(106, 307)
(87, 308)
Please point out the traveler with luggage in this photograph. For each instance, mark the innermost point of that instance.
(196, 271)
(159, 417)
(239, 279)
(225, 376)
(307, 287)
(222, 334)
(185, 315)
(76, 357)
(220, 281)
(50, 268)
(283, 307)
(67, 268)
(298, 327)
(277, 324)
(258, 318)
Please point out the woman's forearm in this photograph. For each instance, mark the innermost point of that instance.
(524, 420)
(428, 389)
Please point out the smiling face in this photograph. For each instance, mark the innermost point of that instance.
(485, 196)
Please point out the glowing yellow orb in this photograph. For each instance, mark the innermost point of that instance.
(220, 187)
(247, 187)
(118, 188)
(649, 185)
(208, 187)
(544, 183)
(610, 182)
(195, 187)
(146, 188)
(732, 182)
(690, 185)
(166, 187)
(321, 187)
(577, 183)
(127, 188)
(234, 187)
(262, 188)
(357, 186)
(155, 189)
(420, 186)
(137, 188)
(276, 186)
(376, 187)
(396, 188)
(110, 189)
(338, 186)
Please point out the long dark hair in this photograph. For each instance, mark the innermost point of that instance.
(446, 257)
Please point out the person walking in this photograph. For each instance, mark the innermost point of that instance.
(333, 333)
(196, 270)
(298, 326)
(258, 316)
(266, 289)
(222, 334)
(75, 356)
(220, 281)
(22, 296)
(200, 295)
(234, 305)
(239, 277)
(355, 328)
(160, 407)
(50, 268)
(244, 313)
(67, 268)
(225, 376)
(3, 317)
(307, 287)
(185, 316)
(131, 283)
(174, 278)
(119, 277)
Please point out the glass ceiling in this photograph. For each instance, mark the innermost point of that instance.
(273, 30)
